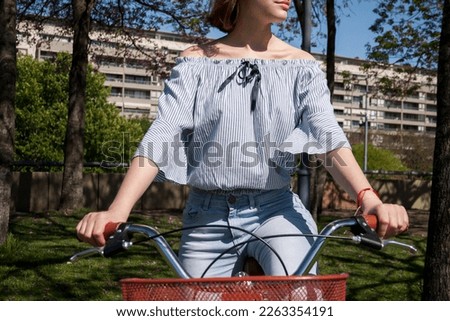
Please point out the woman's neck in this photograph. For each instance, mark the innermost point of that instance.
(257, 40)
(250, 37)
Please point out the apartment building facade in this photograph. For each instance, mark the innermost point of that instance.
(357, 98)
(135, 89)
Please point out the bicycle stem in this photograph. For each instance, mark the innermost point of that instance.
(310, 258)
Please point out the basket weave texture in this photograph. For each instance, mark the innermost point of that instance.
(252, 288)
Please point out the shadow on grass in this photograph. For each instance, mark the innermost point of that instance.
(33, 263)
(390, 274)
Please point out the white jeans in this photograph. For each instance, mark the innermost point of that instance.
(266, 215)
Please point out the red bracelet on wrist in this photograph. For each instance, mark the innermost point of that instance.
(361, 194)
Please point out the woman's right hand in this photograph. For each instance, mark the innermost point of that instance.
(90, 229)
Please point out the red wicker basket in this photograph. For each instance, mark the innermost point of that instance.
(252, 288)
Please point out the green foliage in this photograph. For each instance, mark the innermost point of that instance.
(407, 35)
(41, 109)
(407, 32)
(378, 159)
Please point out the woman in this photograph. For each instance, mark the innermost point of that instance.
(231, 117)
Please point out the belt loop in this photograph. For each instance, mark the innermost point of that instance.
(252, 201)
(206, 201)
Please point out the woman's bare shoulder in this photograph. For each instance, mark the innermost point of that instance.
(283, 50)
(208, 49)
(301, 54)
(216, 48)
(193, 51)
(297, 53)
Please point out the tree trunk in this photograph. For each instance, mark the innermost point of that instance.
(72, 185)
(437, 260)
(304, 13)
(319, 173)
(331, 45)
(7, 102)
(318, 182)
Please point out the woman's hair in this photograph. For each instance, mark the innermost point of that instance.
(223, 14)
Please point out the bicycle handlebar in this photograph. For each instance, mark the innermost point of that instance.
(371, 220)
(110, 229)
(118, 236)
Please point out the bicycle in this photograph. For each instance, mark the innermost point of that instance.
(242, 287)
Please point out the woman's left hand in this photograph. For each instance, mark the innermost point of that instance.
(392, 218)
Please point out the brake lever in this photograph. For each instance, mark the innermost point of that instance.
(89, 252)
(411, 248)
(366, 235)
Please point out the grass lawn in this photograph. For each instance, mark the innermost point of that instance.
(33, 263)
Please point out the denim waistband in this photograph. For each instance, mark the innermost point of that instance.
(236, 192)
(235, 198)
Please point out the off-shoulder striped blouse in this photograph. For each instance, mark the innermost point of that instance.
(236, 123)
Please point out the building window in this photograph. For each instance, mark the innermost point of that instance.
(431, 108)
(108, 61)
(116, 92)
(393, 104)
(338, 98)
(359, 88)
(431, 120)
(414, 95)
(113, 77)
(339, 86)
(410, 106)
(390, 115)
(47, 55)
(391, 127)
(135, 79)
(130, 110)
(56, 38)
(410, 117)
(431, 96)
(135, 63)
(411, 128)
(137, 94)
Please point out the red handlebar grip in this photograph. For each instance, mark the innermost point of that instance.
(110, 229)
(371, 220)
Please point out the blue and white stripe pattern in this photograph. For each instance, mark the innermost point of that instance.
(212, 139)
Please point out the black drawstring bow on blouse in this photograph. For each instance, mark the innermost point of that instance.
(246, 78)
